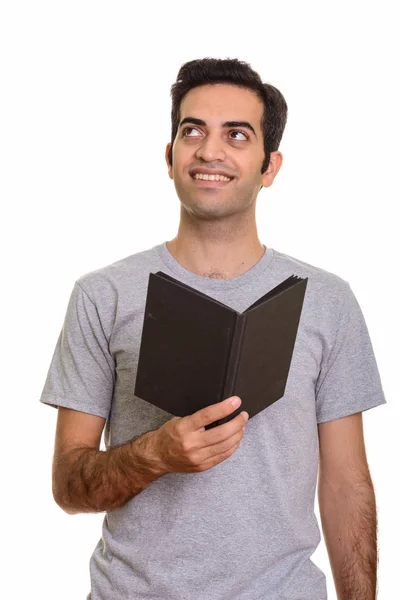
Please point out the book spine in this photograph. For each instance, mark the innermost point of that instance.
(234, 357)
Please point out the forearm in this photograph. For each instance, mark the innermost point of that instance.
(349, 523)
(86, 480)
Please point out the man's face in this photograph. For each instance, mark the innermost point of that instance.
(210, 138)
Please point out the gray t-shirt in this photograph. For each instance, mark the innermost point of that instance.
(246, 528)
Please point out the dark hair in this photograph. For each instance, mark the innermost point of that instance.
(234, 72)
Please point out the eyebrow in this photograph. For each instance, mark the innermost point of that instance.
(195, 121)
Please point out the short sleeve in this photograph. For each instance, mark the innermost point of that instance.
(349, 380)
(82, 370)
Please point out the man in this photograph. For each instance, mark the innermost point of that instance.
(225, 513)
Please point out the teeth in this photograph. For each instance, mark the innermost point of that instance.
(211, 177)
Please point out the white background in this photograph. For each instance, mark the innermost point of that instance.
(85, 118)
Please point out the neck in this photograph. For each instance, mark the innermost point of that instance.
(216, 250)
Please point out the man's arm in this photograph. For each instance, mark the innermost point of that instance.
(86, 479)
(348, 509)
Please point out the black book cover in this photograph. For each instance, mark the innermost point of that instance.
(196, 351)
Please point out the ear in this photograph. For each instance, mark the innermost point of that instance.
(275, 163)
(169, 146)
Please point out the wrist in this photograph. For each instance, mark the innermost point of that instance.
(147, 457)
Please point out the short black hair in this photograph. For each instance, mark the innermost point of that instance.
(206, 71)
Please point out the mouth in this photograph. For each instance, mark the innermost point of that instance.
(210, 181)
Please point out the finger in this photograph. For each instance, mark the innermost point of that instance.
(225, 431)
(198, 420)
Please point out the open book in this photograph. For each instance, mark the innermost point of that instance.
(196, 351)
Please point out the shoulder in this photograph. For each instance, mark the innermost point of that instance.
(108, 281)
(323, 286)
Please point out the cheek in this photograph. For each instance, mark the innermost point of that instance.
(181, 160)
(177, 154)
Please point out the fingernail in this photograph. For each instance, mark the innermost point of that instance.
(236, 402)
(245, 416)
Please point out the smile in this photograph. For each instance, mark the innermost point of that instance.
(214, 181)
(207, 177)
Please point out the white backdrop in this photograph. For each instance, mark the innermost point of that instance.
(84, 121)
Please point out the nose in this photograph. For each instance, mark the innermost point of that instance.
(212, 148)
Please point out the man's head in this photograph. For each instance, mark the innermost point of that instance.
(225, 120)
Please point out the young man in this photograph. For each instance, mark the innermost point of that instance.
(224, 513)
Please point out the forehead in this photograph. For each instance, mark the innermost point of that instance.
(217, 102)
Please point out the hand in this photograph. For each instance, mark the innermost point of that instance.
(182, 444)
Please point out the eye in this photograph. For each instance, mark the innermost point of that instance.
(188, 129)
(240, 133)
